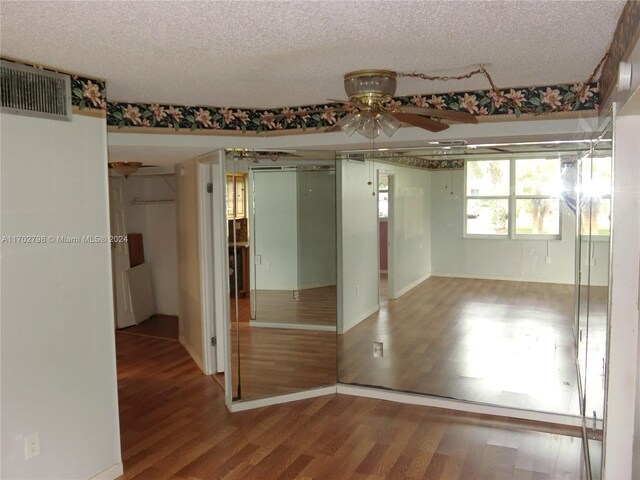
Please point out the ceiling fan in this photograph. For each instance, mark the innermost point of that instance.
(370, 112)
(127, 168)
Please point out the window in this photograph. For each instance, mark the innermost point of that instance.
(529, 188)
(595, 189)
(383, 195)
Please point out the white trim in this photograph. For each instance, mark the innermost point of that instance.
(291, 326)
(316, 285)
(207, 305)
(458, 405)
(414, 284)
(359, 319)
(111, 473)
(190, 351)
(384, 271)
(278, 399)
(496, 277)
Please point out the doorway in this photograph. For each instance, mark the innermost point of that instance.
(385, 235)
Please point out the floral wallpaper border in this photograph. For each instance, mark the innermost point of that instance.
(537, 100)
(86, 92)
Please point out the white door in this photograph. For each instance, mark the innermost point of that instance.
(214, 258)
(120, 255)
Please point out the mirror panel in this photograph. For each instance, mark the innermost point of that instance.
(598, 191)
(286, 320)
(494, 314)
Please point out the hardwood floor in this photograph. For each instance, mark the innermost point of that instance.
(498, 342)
(280, 360)
(162, 326)
(174, 425)
(314, 306)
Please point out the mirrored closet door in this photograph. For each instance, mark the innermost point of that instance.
(282, 258)
(594, 243)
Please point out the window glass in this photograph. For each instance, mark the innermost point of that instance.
(383, 204)
(538, 216)
(488, 178)
(538, 177)
(487, 216)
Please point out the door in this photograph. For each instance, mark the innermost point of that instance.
(120, 256)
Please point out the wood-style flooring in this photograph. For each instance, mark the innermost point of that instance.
(174, 425)
(273, 361)
(500, 342)
(314, 306)
(162, 326)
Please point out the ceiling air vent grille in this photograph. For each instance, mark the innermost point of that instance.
(33, 92)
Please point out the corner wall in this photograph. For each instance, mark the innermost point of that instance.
(189, 288)
(358, 235)
(157, 223)
(58, 365)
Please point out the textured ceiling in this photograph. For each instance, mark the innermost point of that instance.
(270, 54)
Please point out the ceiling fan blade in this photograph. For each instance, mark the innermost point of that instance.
(344, 102)
(418, 121)
(462, 117)
(334, 128)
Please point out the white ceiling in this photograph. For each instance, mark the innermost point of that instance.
(270, 54)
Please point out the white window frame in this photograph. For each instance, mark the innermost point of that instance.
(511, 208)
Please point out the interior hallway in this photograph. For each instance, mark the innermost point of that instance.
(500, 342)
(174, 425)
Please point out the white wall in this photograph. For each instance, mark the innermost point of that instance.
(453, 255)
(316, 199)
(157, 223)
(359, 235)
(412, 226)
(58, 355)
(358, 245)
(275, 236)
(189, 261)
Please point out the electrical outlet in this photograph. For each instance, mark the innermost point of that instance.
(31, 445)
(296, 294)
(593, 262)
(378, 349)
(547, 259)
(258, 259)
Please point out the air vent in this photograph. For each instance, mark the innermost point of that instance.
(33, 92)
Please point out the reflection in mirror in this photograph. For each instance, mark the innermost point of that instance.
(285, 247)
(235, 238)
(595, 235)
(481, 268)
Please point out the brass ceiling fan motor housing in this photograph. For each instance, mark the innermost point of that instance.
(370, 87)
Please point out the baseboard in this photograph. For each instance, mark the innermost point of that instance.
(357, 320)
(458, 405)
(316, 285)
(495, 277)
(278, 399)
(404, 290)
(291, 326)
(192, 354)
(111, 473)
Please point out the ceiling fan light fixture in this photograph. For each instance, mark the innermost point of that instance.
(349, 123)
(388, 123)
(368, 126)
(125, 168)
(371, 86)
